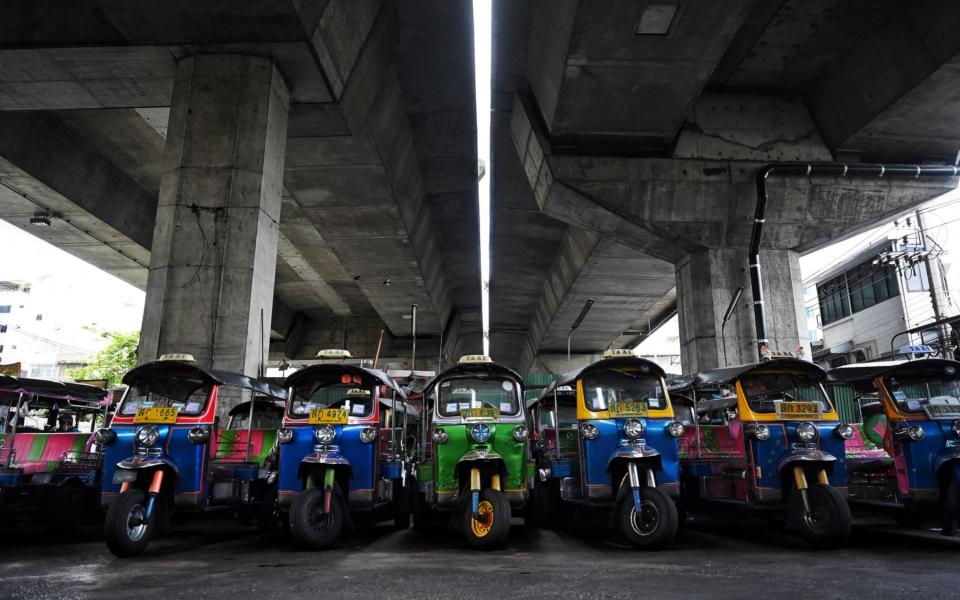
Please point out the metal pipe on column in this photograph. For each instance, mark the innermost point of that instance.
(790, 169)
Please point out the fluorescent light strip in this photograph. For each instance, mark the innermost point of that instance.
(482, 37)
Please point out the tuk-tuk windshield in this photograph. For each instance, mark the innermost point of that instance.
(600, 388)
(912, 395)
(355, 396)
(474, 392)
(188, 396)
(765, 391)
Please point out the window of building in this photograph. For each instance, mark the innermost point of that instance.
(3, 328)
(5, 308)
(833, 300)
(871, 284)
(39, 317)
(916, 279)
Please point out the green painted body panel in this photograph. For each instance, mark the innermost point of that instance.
(425, 471)
(447, 454)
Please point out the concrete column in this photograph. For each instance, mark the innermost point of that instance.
(706, 282)
(215, 240)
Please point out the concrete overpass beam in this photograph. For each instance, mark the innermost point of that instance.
(215, 241)
(707, 281)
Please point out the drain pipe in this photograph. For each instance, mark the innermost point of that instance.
(790, 169)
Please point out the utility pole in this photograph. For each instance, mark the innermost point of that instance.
(934, 294)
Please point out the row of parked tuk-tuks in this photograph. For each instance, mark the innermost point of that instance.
(337, 445)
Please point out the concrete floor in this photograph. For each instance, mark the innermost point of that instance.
(710, 559)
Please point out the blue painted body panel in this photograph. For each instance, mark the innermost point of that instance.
(922, 457)
(190, 459)
(597, 452)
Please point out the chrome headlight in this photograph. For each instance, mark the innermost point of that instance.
(807, 431)
(148, 436)
(520, 433)
(198, 435)
(367, 435)
(956, 428)
(845, 430)
(284, 435)
(589, 432)
(632, 428)
(915, 433)
(439, 435)
(675, 429)
(325, 434)
(104, 436)
(480, 432)
(761, 432)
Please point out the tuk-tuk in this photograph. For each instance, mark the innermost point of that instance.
(165, 450)
(909, 412)
(48, 467)
(344, 451)
(764, 437)
(606, 438)
(475, 463)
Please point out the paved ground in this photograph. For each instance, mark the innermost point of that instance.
(710, 559)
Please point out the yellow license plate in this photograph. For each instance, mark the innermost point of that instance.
(163, 415)
(473, 415)
(628, 409)
(789, 411)
(328, 416)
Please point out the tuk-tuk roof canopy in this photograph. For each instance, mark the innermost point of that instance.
(320, 370)
(728, 374)
(490, 368)
(175, 368)
(79, 392)
(244, 407)
(866, 372)
(615, 363)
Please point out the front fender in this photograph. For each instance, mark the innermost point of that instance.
(805, 456)
(631, 453)
(148, 461)
(479, 455)
(947, 456)
(330, 458)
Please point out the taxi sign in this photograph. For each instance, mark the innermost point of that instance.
(795, 411)
(619, 353)
(162, 415)
(474, 359)
(334, 353)
(181, 356)
(478, 415)
(328, 416)
(628, 409)
(357, 392)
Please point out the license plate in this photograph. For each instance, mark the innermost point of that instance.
(328, 416)
(942, 411)
(628, 409)
(157, 414)
(792, 411)
(475, 415)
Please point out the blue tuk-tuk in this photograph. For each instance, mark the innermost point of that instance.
(343, 452)
(909, 416)
(765, 438)
(165, 450)
(48, 467)
(606, 438)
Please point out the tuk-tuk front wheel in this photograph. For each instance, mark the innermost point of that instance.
(951, 518)
(655, 525)
(127, 529)
(827, 524)
(490, 526)
(311, 524)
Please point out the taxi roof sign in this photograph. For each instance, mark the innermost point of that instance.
(357, 392)
(474, 359)
(334, 353)
(181, 356)
(618, 352)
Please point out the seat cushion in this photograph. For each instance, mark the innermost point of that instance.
(231, 445)
(42, 452)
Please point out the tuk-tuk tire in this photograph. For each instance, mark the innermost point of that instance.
(268, 513)
(421, 512)
(302, 530)
(402, 505)
(65, 508)
(115, 525)
(952, 510)
(667, 516)
(501, 521)
(838, 527)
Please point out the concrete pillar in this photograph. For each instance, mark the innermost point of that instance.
(707, 281)
(215, 240)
